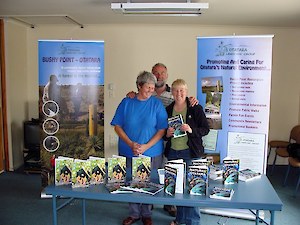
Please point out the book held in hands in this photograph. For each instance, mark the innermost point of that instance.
(176, 122)
(221, 193)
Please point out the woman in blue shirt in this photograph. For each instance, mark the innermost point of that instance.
(140, 123)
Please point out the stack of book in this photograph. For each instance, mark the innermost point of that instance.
(230, 170)
(216, 172)
(248, 174)
(197, 177)
(221, 193)
(174, 176)
(144, 187)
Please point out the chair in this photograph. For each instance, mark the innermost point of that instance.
(293, 162)
(281, 146)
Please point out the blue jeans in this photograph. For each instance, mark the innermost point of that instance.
(137, 210)
(185, 215)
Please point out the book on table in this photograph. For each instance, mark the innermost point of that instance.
(248, 174)
(98, 170)
(180, 166)
(230, 170)
(63, 170)
(141, 168)
(116, 169)
(117, 188)
(221, 193)
(176, 122)
(216, 171)
(170, 180)
(81, 173)
(146, 187)
(201, 162)
(197, 177)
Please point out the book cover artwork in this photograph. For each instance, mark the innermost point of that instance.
(230, 171)
(116, 169)
(144, 187)
(197, 178)
(63, 170)
(98, 171)
(248, 174)
(170, 180)
(180, 166)
(176, 122)
(141, 168)
(221, 193)
(81, 173)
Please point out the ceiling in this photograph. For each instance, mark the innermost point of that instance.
(274, 13)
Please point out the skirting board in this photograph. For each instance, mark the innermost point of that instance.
(235, 213)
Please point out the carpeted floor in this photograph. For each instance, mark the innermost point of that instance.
(21, 205)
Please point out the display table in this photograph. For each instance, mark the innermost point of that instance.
(255, 195)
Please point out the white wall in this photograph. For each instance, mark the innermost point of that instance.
(132, 48)
(16, 90)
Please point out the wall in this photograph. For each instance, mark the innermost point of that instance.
(17, 91)
(132, 48)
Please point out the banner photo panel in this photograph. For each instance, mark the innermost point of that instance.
(233, 86)
(71, 101)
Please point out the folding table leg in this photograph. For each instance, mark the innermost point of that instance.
(54, 210)
(83, 212)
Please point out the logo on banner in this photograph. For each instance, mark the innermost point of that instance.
(229, 49)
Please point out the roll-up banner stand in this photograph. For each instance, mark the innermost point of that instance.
(233, 86)
(71, 101)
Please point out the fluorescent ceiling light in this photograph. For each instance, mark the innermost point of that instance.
(182, 9)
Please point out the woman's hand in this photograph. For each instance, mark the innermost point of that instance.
(135, 148)
(186, 127)
(170, 132)
(193, 101)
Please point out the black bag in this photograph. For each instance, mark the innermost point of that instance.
(294, 150)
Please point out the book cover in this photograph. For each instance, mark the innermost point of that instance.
(81, 173)
(176, 122)
(98, 170)
(170, 180)
(144, 187)
(197, 177)
(248, 174)
(116, 188)
(180, 165)
(230, 171)
(216, 171)
(141, 168)
(116, 169)
(63, 170)
(201, 162)
(221, 193)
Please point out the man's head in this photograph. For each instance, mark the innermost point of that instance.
(53, 78)
(161, 73)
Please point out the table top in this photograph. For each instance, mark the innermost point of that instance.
(257, 194)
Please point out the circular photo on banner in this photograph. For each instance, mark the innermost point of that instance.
(50, 108)
(50, 126)
(51, 143)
